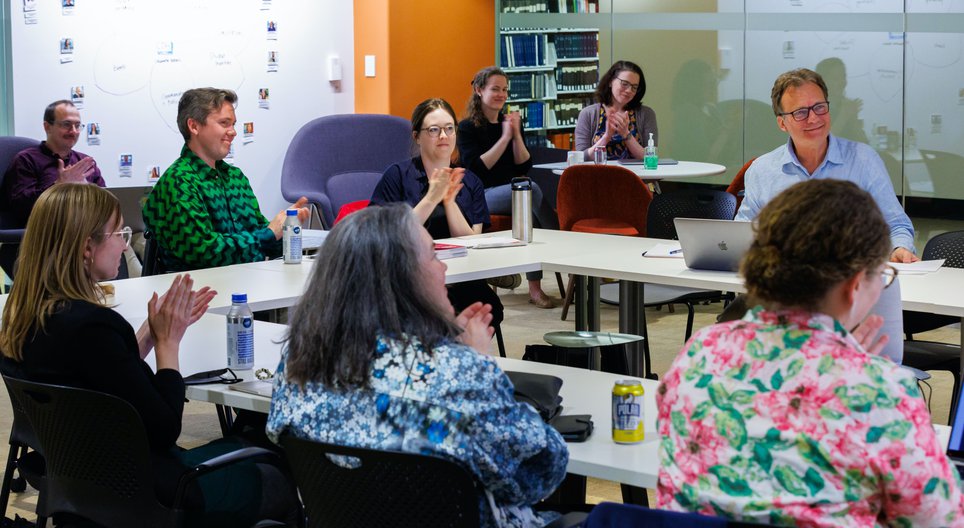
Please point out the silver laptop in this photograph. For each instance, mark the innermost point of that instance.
(713, 244)
(132, 201)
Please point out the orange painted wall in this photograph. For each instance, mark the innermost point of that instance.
(424, 48)
(371, 26)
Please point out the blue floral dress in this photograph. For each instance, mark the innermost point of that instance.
(451, 402)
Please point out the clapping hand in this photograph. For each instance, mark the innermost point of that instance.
(455, 185)
(475, 322)
(866, 334)
(76, 173)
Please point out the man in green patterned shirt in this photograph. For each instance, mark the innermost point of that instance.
(202, 210)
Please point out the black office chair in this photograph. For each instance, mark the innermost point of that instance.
(24, 459)
(98, 459)
(665, 207)
(929, 355)
(152, 256)
(11, 232)
(386, 488)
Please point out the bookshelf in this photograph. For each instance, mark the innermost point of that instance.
(552, 74)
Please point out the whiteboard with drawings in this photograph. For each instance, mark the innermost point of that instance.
(127, 62)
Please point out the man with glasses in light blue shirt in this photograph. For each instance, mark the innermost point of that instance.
(803, 111)
(799, 99)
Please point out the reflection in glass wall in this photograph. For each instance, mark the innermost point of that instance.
(894, 70)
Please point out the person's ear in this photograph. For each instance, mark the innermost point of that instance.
(193, 126)
(851, 287)
(781, 123)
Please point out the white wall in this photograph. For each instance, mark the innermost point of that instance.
(131, 88)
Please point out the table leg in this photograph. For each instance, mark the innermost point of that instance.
(634, 495)
(592, 309)
(631, 322)
(579, 299)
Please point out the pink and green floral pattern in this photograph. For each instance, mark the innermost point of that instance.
(783, 418)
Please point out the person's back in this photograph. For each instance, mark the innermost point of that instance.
(790, 415)
(797, 423)
(452, 402)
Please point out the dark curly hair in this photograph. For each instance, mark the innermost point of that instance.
(811, 237)
(604, 93)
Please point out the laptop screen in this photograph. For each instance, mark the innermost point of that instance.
(954, 447)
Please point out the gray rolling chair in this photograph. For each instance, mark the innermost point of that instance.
(10, 234)
(929, 355)
(338, 159)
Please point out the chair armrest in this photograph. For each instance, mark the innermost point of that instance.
(11, 236)
(220, 462)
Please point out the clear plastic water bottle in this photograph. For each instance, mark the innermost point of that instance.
(291, 237)
(240, 333)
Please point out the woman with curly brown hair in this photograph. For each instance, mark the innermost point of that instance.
(789, 416)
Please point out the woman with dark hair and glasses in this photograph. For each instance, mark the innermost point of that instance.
(790, 416)
(58, 328)
(448, 200)
(387, 364)
(618, 122)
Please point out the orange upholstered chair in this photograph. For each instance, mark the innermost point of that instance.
(605, 199)
(737, 185)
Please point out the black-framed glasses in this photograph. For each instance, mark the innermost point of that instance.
(69, 125)
(435, 131)
(801, 114)
(126, 233)
(627, 85)
(888, 274)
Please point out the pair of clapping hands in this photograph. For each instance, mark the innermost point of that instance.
(617, 123)
(444, 184)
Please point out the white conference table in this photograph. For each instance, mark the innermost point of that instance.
(621, 258)
(681, 170)
(583, 391)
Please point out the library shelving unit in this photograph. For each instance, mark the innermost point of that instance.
(552, 76)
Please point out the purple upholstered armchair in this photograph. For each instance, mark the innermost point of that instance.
(338, 159)
(10, 234)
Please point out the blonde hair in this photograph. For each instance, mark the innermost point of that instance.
(50, 267)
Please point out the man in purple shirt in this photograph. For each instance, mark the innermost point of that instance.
(35, 169)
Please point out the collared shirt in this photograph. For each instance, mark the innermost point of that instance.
(32, 172)
(204, 217)
(407, 182)
(449, 401)
(847, 160)
(783, 417)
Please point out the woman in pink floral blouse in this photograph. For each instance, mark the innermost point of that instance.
(788, 417)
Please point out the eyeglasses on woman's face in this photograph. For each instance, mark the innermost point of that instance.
(125, 233)
(626, 85)
(436, 131)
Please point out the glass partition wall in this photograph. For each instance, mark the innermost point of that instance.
(894, 68)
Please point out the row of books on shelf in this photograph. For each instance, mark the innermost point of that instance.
(577, 78)
(520, 50)
(550, 114)
(532, 86)
(550, 6)
(576, 45)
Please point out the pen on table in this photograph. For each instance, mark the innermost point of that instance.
(675, 251)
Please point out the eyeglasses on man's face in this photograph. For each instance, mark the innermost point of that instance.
(126, 233)
(802, 114)
(888, 274)
(626, 85)
(435, 131)
(69, 125)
